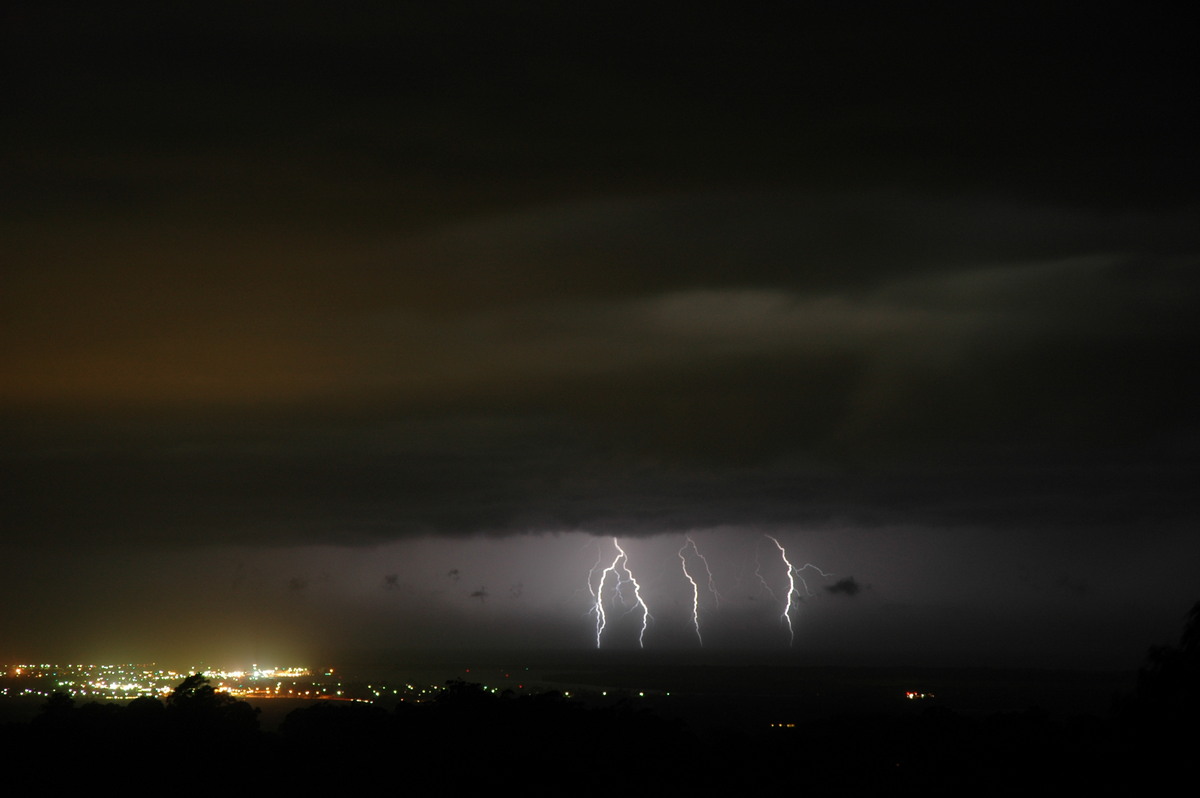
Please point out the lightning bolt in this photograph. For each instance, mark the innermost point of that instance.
(712, 585)
(689, 543)
(620, 563)
(695, 588)
(597, 598)
(793, 594)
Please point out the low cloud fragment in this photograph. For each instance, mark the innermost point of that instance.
(847, 586)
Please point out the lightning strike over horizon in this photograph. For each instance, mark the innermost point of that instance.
(597, 600)
(689, 543)
(793, 573)
(695, 588)
(619, 563)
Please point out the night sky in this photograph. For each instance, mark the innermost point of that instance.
(331, 329)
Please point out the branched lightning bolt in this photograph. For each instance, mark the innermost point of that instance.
(637, 594)
(793, 573)
(695, 587)
(619, 563)
(787, 605)
(712, 585)
(597, 594)
(805, 567)
(625, 589)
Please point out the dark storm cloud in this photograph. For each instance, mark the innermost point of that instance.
(847, 587)
(310, 279)
(1044, 384)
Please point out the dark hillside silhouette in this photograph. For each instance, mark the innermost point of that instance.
(1160, 720)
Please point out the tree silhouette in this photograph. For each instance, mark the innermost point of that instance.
(196, 706)
(1169, 682)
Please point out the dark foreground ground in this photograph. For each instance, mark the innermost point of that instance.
(592, 725)
(748, 693)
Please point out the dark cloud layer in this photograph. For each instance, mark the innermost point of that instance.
(1048, 385)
